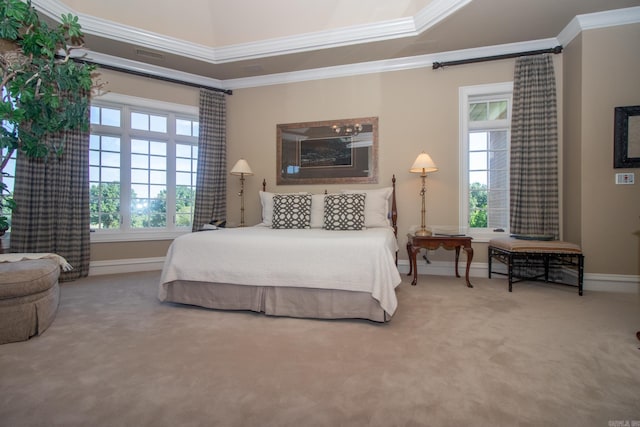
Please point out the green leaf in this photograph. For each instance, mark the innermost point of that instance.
(4, 222)
(44, 94)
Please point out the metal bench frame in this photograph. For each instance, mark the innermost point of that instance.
(548, 260)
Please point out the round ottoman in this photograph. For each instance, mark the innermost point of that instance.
(29, 296)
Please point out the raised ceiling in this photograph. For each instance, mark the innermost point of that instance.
(228, 41)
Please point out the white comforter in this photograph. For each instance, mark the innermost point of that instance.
(313, 258)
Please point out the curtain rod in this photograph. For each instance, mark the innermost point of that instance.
(437, 65)
(152, 76)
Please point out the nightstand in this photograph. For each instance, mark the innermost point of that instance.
(415, 243)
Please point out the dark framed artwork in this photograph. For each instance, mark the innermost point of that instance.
(332, 152)
(626, 145)
(326, 152)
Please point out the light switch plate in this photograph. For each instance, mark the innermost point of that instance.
(624, 178)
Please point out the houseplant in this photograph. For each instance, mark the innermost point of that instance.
(43, 90)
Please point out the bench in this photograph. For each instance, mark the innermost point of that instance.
(536, 260)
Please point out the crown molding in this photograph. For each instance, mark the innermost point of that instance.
(433, 13)
(383, 66)
(398, 64)
(387, 65)
(123, 33)
(609, 18)
(591, 21)
(366, 33)
(143, 68)
(570, 32)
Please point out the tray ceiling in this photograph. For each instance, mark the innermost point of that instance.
(227, 40)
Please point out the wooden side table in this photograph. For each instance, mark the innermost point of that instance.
(415, 243)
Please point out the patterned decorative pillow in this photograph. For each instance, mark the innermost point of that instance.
(291, 211)
(344, 211)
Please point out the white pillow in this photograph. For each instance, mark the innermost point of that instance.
(266, 200)
(376, 206)
(317, 210)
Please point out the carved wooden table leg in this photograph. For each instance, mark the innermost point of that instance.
(469, 251)
(413, 267)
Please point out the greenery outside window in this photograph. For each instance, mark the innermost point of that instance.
(142, 172)
(485, 117)
(7, 180)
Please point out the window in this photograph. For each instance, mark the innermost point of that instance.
(8, 180)
(142, 168)
(8, 172)
(485, 117)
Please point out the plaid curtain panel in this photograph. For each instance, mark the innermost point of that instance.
(53, 204)
(534, 148)
(211, 181)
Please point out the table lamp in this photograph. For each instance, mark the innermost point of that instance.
(241, 168)
(423, 165)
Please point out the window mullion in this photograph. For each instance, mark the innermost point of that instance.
(125, 171)
(171, 174)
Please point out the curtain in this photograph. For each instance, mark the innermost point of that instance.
(534, 148)
(211, 181)
(52, 198)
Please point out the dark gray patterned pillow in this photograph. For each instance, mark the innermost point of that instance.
(291, 211)
(344, 211)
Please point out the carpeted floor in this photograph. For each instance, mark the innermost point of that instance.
(451, 356)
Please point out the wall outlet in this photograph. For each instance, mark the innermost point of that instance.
(624, 178)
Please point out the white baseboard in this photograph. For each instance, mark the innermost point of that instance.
(129, 265)
(592, 281)
(444, 268)
(612, 283)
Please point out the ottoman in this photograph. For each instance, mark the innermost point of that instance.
(29, 296)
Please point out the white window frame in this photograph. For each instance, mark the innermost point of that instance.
(130, 103)
(466, 93)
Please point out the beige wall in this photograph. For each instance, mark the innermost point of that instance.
(418, 110)
(609, 224)
(572, 140)
(143, 87)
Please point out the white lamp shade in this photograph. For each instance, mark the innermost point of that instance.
(423, 164)
(241, 168)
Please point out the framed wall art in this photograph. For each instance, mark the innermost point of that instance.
(328, 152)
(626, 145)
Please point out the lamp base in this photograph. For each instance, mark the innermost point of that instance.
(422, 232)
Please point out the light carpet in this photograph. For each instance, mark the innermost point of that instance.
(451, 356)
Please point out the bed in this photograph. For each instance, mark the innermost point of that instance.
(325, 256)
